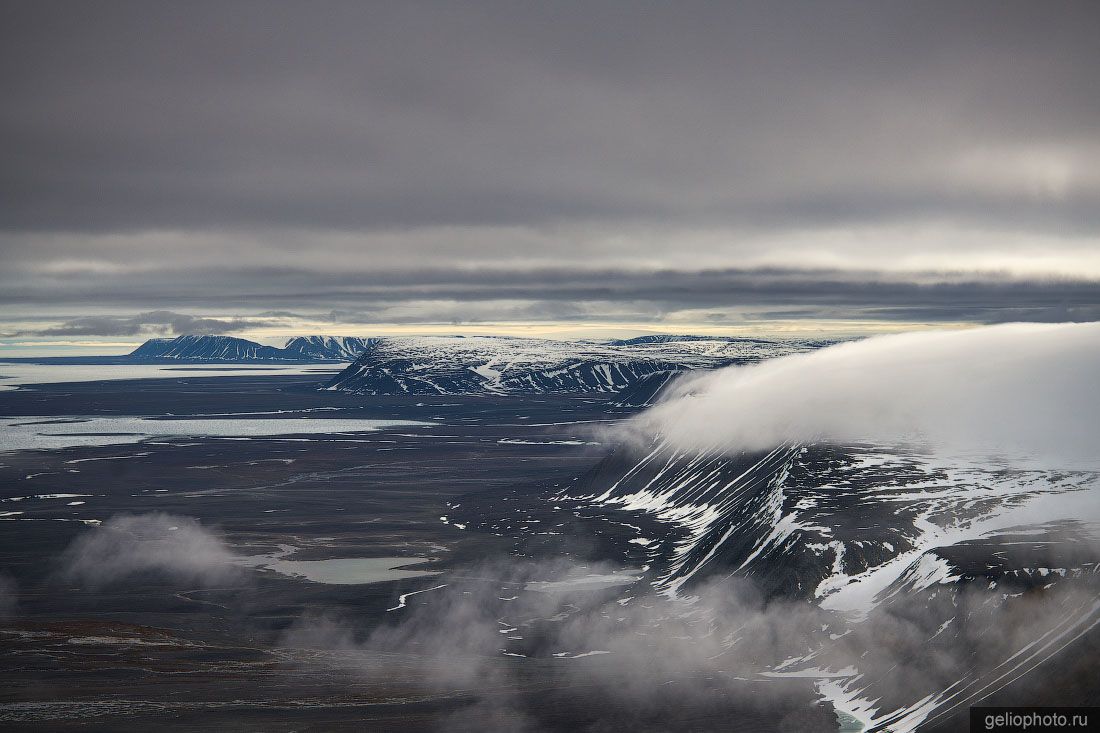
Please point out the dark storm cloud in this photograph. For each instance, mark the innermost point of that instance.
(201, 147)
(146, 115)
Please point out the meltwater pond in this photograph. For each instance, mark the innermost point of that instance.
(351, 570)
(37, 433)
(16, 375)
(340, 570)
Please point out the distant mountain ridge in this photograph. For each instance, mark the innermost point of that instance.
(637, 369)
(454, 365)
(669, 338)
(211, 348)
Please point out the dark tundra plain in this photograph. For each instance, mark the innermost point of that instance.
(246, 551)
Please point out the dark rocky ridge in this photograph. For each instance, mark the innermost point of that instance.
(210, 348)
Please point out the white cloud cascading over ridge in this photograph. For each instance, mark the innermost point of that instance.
(1031, 390)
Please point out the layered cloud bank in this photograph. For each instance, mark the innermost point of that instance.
(1029, 389)
(600, 160)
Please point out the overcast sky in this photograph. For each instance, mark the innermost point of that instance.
(568, 168)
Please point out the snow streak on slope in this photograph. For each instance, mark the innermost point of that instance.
(647, 391)
(707, 497)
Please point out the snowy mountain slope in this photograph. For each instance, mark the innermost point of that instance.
(494, 365)
(944, 550)
(334, 348)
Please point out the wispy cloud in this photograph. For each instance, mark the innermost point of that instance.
(164, 546)
(651, 662)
